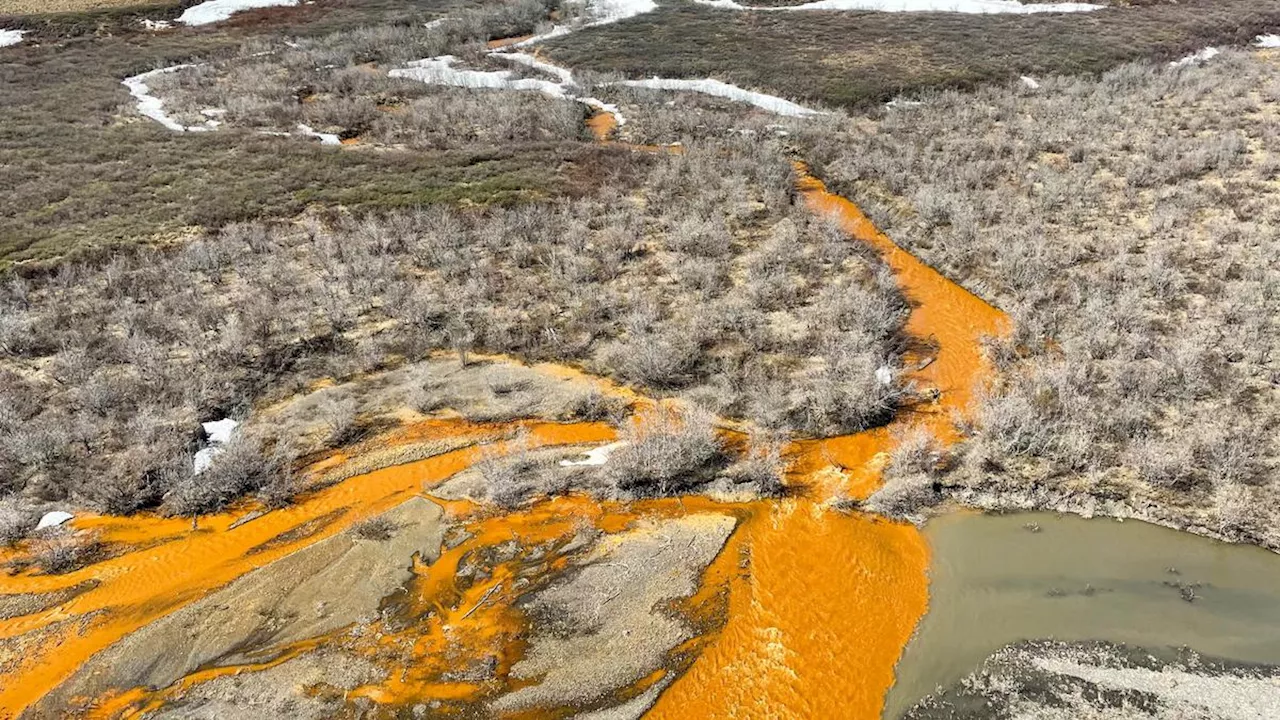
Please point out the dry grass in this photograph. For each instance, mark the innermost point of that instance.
(848, 59)
(1126, 224)
(41, 7)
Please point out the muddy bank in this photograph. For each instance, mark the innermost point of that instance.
(1051, 680)
(603, 631)
(1000, 579)
(1001, 494)
(316, 590)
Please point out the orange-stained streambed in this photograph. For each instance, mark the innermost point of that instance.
(816, 627)
(138, 587)
(815, 605)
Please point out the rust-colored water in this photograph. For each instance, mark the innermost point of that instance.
(815, 628)
(806, 610)
(180, 565)
(602, 124)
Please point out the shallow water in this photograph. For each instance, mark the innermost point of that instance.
(819, 603)
(994, 582)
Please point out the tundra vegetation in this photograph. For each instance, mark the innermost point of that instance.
(854, 59)
(1126, 223)
(1121, 219)
(691, 274)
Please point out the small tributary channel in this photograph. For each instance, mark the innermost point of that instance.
(998, 579)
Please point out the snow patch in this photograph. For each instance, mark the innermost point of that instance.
(153, 107)
(324, 138)
(554, 32)
(603, 106)
(219, 433)
(597, 456)
(1267, 41)
(440, 71)
(731, 92)
(11, 37)
(1196, 58)
(53, 519)
(884, 375)
(601, 12)
(213, 11)
(565, 75)
(978, 7)
(610, 11)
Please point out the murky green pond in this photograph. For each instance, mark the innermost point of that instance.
(997, 579)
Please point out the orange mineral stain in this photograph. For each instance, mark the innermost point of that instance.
(817, 623)
(602, 124)
(138, 587)
(803, 614)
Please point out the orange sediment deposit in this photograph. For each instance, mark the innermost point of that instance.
(816, 624)
(451, 638)
(602, 124)
(951, 319)
(804, 613)
(181, 565)
(942, 313)
(500, 43)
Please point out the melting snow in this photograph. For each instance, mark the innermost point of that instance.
(440, 71)
(1206, 54)
(11, 37)
(153, 107)
(219, 433)
(213, 11)
(53, 519)
(732, 92)
(602, 12)
(605, 107)
(982, 7)
(325, 138)
(565, 75)
(609, 11)
(1267, 41)
(597, 456)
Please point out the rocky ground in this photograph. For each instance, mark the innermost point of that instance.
(1046, 680)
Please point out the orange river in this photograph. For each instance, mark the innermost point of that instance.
(815, 604)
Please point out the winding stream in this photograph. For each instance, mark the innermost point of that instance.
(805, 612)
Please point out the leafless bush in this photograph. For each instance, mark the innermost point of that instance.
(147, 342)
(596, 406)
(1120, 221)
(762, 466)
(514, 473)
(18, 518)
(910, 477)
(375, 528)
(917, 451)
(61, 550)
(667, 449)
(338, 416)
(242, 466)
